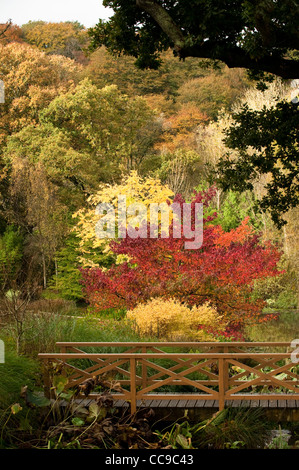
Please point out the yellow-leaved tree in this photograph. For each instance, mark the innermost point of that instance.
(32, 80)
(137, 189)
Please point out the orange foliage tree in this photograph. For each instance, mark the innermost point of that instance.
(179, 128)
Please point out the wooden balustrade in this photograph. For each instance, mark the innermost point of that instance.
(212, 371)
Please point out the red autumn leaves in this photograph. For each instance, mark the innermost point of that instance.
(221, 271)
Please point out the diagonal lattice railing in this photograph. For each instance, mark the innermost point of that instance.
(211, 371)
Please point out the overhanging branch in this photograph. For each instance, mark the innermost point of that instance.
(236, 57)
(164, 20)
(232, 56)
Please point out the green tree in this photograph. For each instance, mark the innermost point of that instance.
(71, 171)
(267, 143)
(116, 131)
(254, 34)
(11, 254)
(235, 207)
(66, 280)
(33, 206)
(79, 143)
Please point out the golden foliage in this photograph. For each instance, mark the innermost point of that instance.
(32, 80)
(136, 189)
(172, 320)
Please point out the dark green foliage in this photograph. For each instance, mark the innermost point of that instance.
(231, 428)
(246, 426)
(281, 292)
(255, 35)
(67, 278)
(11, 253)
(267, 143)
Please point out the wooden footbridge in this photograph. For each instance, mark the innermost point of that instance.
(180, 375)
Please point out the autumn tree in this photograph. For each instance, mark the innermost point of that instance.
(178, 128)
(34, 207)
(10, 33)
(73, 146)
(78, 142)
(5, 27)
(64, 38)
(104, 69)
(222, 270)
(180, 164)
(94, 251)
(31, 80)
(181, 170)
(214, 92)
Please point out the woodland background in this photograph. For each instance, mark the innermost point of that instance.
(78, 125)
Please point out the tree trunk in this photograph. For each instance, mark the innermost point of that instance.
(56, 271)
(44, 271)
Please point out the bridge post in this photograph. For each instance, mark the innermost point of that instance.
(221, 378)
(144, 369)
(226, 370)
(133, 385)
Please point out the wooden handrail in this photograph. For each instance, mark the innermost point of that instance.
(219, 375)
(137, 356)
(230, 344)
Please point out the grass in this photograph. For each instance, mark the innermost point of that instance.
(42, 331)
(233, 428)
(16, 372)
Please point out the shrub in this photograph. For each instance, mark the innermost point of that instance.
(53, 305)
(279, 292)
(173, 320)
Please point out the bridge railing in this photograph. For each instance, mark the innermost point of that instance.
(218, 371)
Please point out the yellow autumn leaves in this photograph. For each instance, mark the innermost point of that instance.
(136, 189)
(175, 321)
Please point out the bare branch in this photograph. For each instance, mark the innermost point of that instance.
(7, 26)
